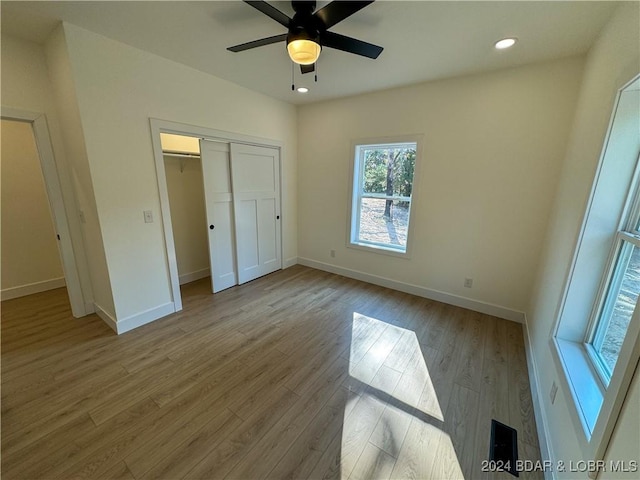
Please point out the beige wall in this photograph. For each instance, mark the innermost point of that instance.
(612, 61)
(493, 146)
(29, 250)
(118, 89)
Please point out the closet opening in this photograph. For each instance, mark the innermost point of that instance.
(220, 204)
(185, 187)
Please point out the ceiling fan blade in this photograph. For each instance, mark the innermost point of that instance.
(258, 43)
(338, 10)
(307, 68)
(270, 11)
(351, 45)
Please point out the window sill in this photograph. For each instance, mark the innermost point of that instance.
(584, 383)
(379, 249)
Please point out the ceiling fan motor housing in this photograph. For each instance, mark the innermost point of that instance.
(304, 25)
(303, 7)
(308, 31)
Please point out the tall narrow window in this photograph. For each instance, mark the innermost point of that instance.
(619, 296)
(599, 322)
(382, 189)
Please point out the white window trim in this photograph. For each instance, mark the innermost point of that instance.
(604, 303)
(373, 247)
(595, 418)
(625, 233)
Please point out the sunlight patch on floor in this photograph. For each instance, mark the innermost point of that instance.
(389, 359)
(393, 413)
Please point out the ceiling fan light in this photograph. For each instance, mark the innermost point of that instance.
(303, 52)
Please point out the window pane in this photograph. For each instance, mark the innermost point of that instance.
(384, 222)
(619, 305)
(389, 171)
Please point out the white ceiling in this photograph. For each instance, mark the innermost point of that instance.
(423, 40)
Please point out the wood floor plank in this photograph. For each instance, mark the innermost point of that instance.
(471, 354)
(417, 455)
(15, 464)
(391, 429)
(520, 403)
(119, 471)
(357, 428)
(298, 374)
(316, 441)
(218, 462)
(461, 419)
(279, 439)
(106, 444)
(180, 458)
(373, 464)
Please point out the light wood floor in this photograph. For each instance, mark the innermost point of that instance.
(300, 374)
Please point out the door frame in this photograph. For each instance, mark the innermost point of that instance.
(159, 126)
(79, 304)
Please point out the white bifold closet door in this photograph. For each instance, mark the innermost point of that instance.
(242, 196)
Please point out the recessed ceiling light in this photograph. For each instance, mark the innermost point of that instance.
(505, 43)
(303, 89)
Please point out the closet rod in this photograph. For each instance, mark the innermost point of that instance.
(181, 154)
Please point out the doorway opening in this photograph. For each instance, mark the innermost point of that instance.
(37, 250)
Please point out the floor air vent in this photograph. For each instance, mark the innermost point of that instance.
(503, 450)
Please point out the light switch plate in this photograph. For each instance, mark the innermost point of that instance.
(148, 216)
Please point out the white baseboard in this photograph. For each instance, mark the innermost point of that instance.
(31, 288)
(106, 317)
(134, 321)
(193, 276)
(289, 262)
(148, 316)
(546, 453)
(458, 301)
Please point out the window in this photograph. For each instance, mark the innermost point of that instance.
(597, 334)
(617, 301)
(383, 181)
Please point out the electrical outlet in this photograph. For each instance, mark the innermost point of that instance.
(333, 253)
(554, 390)
(468, 282)
(148, 216)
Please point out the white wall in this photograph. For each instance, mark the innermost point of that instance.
(78, 169)
(29, 250)
(625, 441)
(188, 216)
(118, 89)
(493, 145)
(26, 86)
(613, 60)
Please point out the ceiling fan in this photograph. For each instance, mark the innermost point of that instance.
(308, 31)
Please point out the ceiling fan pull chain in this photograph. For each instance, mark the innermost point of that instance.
(293, 86)
(316, 71)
